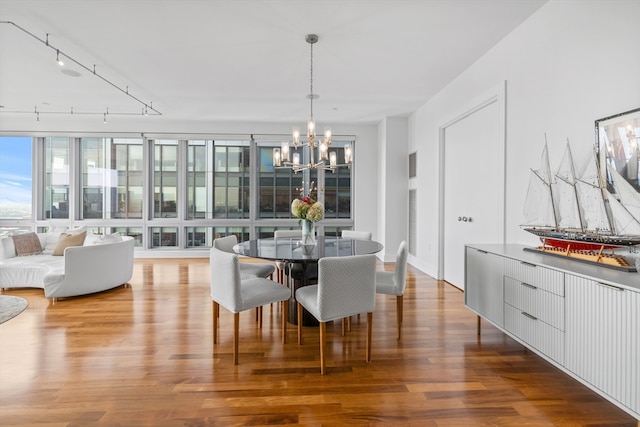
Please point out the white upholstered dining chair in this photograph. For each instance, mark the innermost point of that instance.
(236, 294)
(287, 234)
(356, 235)
(394, 282)
(346, 286)
(247, 270)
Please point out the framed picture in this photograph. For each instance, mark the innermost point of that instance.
(618, 146)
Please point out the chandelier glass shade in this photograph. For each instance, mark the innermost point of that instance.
(326, 159)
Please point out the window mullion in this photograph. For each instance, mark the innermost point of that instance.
(75, 179)
(254, 187)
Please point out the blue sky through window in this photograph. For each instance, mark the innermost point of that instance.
(15, 177)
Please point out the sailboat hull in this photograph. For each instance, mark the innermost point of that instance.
(579, 241)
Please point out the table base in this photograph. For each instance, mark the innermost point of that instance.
(294, 285)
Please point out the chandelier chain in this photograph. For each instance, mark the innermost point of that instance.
(311, 95)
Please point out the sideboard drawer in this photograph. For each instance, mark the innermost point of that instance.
(535, 275)
(535, 332)
(535, 301)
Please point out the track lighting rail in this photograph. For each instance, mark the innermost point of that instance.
(147, 108)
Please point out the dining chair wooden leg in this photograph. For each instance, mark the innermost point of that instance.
(399, 304)
(259, 317)
(236, 336)
(344, 326)
(369, 328)
(216, 314)
(285, 311)
(299, 324)
(323, 339)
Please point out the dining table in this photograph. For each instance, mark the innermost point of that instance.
(304, 258)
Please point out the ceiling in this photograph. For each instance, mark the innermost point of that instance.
(242, 60)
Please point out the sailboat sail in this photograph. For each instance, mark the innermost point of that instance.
(591, 198)
(564, 193)
(538, 208)
(629, 197)
(625, 223)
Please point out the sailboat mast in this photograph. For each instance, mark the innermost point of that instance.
(548, 180)
(573, 184)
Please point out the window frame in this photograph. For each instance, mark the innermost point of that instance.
(142, 228)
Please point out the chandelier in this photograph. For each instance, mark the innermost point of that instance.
(282, 158)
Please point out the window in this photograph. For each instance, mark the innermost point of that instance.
(166, 193)
(96, 182)
(337, 188)
(135, 232)
(199, 175)
(165, 179)
(218, 179)
(112, 178)
(15, 179)
(277, 187)
(231, 188)
(204, 236)
(128, 163)
(164, 236)
(56, 177)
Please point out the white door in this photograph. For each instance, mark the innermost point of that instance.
(473, 188)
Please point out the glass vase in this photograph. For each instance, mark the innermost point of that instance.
(308, 232)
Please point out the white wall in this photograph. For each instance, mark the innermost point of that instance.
(393, 178)
(572, 62)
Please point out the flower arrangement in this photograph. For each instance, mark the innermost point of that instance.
(305, 208)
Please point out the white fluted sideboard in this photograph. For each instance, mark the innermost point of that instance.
(582, 318)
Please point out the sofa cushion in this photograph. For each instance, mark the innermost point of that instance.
(29, 271)
(65, 240)
(26, 244)
(7, 248)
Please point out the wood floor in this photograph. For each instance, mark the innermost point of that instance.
(142, 356)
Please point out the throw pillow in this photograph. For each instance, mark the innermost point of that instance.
(92, 239)
(53, 234)
(111, 238)
(76, 230)
(51, 238)
(27, 244)
(99, 239)
(67, 240)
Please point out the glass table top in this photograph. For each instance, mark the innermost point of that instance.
(292, 250)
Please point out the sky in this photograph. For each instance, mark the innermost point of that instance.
(15, 171)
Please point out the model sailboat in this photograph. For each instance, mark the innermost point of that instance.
(577, 217)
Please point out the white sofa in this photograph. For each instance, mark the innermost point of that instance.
(82, 270)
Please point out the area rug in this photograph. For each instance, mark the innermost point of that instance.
(11, 306)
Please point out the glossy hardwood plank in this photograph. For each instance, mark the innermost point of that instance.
(143, 355)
